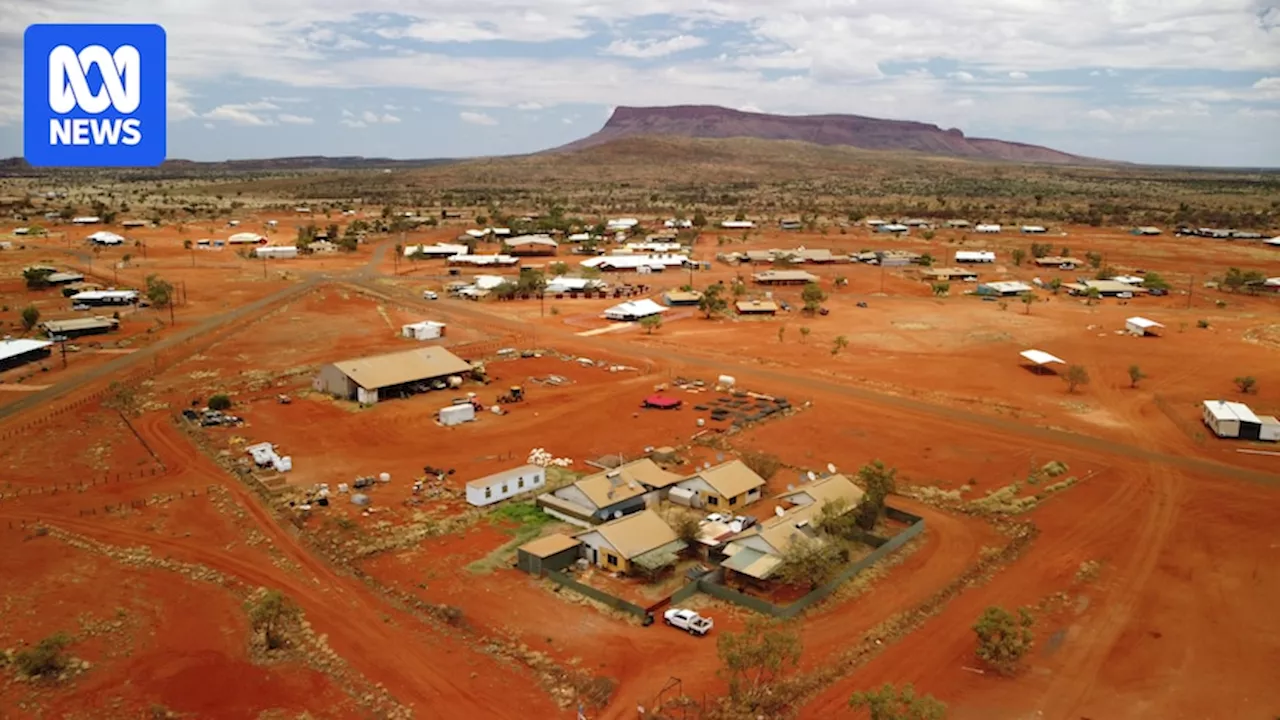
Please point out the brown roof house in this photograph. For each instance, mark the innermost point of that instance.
(833, 488)
(609, 495)
(363, 379)
(642, 542)
(727, 486)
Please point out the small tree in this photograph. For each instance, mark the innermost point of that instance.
(879, 481)
(811, 562)
(160, 293)
(46, 659)
(804, 334)
(1028, 300)
(1092, 295)
(941, 289)
(37, 278)
(1019, 255)
(699, 220)
(220, 402)
(813, 296)
(1135, 375)
(1247, 384)
(1004, 638)
(122, 397)
(841, 342)
(1055, 285)
(558, 268)
(688, 529)
(1153, 281)
(926, 260)
(712, 301)
(752, 660)
(272, 614)
(651, 323)
(891, 703)
(1075, 376)
(30, 317)
(186, 244)
(1094, 259)
(764, 464)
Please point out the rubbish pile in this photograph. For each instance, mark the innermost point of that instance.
(211, 418)
(542, 458)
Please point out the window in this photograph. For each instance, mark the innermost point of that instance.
(520, 484)
(733, 501)
(611, 559)
(504, 488)
(488, 493)
(713, 500)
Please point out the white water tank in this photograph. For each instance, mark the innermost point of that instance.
(726, 381)
(384, 477)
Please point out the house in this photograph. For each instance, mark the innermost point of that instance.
(1232, 420)
(677, 223)
(63, 278)
(892, 228)
(1146, 230)
(483, 260)
(425, 330)
(679, 298)
(105, 237)
(1105, 288)
(20, 351)
(531, 245)
(134, 223)
(439, 250)
(100, 298)
(626, 489)
(727, 486)
(639, 542)
(873, 222)
(1058, 261)
(1040, 359)
(833, 488)
(753, 555)
(78, 327)
(634, 310)
(756, 307)
(247, 238)
(784, 277)
(277, 252)
(1141, 326)
(812, 255)
(508, 483)
(86, 220)
(975, 256)
(737, 224)
(321, 247)
(1274, 242)
(790, 224)
(957, 223)
(639, 263)
(578, 237)
(553, 552)
(450, 214)
(987, 228)
(651, 246)
(499, 232)
(560, 285)
(621, 224)
(365, 379)
(916, 223)
(949, 273)
(896, 258)
(1004, 288)
(1033, 229)
(1129, 279)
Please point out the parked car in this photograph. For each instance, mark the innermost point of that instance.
(687, 620)
(717, 517)
(430, 295)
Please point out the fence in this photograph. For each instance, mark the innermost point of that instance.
(712, 584)
(105, 479)
(616, 603)
(118, 507)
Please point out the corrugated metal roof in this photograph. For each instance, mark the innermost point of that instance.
(382, 371)
(20, 346)
(549, 545)
(730, 479)
(636, 534)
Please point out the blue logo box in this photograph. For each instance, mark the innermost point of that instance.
(94, 95)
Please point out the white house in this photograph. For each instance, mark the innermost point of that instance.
(247, 238)
(1228, 419)
(677, 224)
(578, 237)
(86, 220)
(556, 286)
(651, 263)
(1141, 326)
(986, 228)
(1034, 229)
(621, 224)
(634, 310)
(457, 414)
(437, 250)
(279, 252)
(105, 237)
(105, 297)
(737, 224)
(975, 256)
(892, 228)
(425, 330)
(652, 247)
(508, 483)
(483, 260)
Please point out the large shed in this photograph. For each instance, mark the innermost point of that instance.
(364, 379)
(1231, 420)
(1141, 326)
(78, 327)
(553, 552)
(21, 351)
(1040, 359)
(634, 310)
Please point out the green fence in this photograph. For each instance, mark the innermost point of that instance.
(616, 603)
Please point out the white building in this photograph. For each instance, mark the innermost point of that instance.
(508, 483)
(457, 414)
(247, 238)
(483, 260)
(278, 252)
(622, 224)
(1141, 326)
(1034, 229)
(425, 330)
(975, 256)
(105, 297)
(652, 247)
(737, 224)
(986, 228)
(651, 263)
(85, 220)
(677, 224)
(105, 237)
(1231, 420)
(634, 310)
(437, 250)
(560, 285)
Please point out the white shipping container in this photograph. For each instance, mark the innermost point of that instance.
(457, 414)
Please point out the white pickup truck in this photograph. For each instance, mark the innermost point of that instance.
(687, 620)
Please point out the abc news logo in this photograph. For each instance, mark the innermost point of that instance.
(94, 95)
(69, 89)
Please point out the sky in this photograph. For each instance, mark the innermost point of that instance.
(1179, 82)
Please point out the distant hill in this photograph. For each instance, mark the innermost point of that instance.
(709, 121)
(19, 166)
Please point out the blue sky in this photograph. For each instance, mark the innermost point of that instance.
(1157, 81)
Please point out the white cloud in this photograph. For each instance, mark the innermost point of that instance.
(289, 119)
(529, 106)
(567, 121)
(248, 114)
(962, 76)
(369, 117)
(1100, 114)
(477, 118)
(654, 48)
(389, 119)
(347, 113)
(1018, 75)
(391, 108)
(353, 123)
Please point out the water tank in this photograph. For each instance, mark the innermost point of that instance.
(384, 477)
(455, 381)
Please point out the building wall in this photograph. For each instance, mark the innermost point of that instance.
(500, 490)
(716, 502)
(333, 381)
(605, 555)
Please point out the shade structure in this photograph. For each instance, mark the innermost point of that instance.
(1040, 357)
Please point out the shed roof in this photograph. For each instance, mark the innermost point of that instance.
(532, 240)
(1142, 322)
(20, 346)
(501, 477)
(639, 473)
(949, 272)
(779, 531)
(750, 306)
(729, 479)
(381, 371)
(636, 308)
(784, 275)
(1040, 357)
(677, 296)
(60, 326)
(547, 546)
(1227, 410)
(1008, 286)
(636, 534)
(829, 489)
(753, 563)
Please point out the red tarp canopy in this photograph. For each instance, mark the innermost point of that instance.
(661, 401)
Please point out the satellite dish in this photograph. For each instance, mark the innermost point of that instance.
(831, 468)
(790, 487)
(779, 511)
(719, 457)
(617, 514)
(706, 466)
(811, 476)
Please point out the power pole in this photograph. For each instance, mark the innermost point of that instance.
(62, 340)
(170, 303)
(1191, 288)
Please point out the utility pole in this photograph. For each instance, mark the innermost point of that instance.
(171, 322)
(62, 339)
(1191, 288)
(882, 276)
(264, 266)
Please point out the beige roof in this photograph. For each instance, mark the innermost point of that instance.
(636, 534)
(531, 240)
(749, 306)
(948, 272)
(58, 326)
(682, 296)
(778, 532)
(549, 545)
(785, 275)
(1056, 260)
(382, 371)
(730, 479)
(814, 254)
(829, 489)
(630, 482)
(1105, 286)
